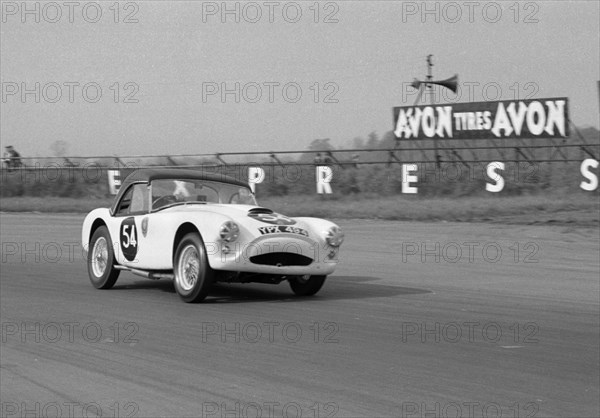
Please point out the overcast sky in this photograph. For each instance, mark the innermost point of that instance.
(343, 69)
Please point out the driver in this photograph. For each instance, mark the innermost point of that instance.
(243, 196)
(181, 192)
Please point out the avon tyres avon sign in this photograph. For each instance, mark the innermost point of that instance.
(540, 118)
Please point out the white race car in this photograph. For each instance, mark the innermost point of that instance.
(198, 228)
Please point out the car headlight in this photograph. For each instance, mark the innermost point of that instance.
(334, 236)
(229, 231)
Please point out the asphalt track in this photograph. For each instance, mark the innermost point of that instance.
(394, 332)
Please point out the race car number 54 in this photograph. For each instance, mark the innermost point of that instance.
(129, 243)
(282, 228)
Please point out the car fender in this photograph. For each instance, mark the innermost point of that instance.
(318, 226)
(159, 239)
(100, 214)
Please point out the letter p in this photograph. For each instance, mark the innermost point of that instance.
(410, 409)
(409, 248)
(209, 88)
(9, 88)
(8, 328)
(209, 328)
(409, 8)
(9, 8)
(209, 8)
(256, 175)
(409, 328)
(9, 248)
(10, 409)
(210, 409)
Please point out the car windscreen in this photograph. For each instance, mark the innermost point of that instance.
(166, 192)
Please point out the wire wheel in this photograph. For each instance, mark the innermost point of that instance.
(99, 257)
(193, 275)
(101, 260)
(188, 267)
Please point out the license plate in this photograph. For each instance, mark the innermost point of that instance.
(278, 229)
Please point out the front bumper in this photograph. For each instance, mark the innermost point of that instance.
(275, 254)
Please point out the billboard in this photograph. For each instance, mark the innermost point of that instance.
(534, 118)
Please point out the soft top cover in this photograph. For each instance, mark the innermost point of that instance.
(146, 175)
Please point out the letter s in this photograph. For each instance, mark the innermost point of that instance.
(592, 183)
(491, 172)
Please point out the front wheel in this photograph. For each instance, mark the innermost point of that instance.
(101, 260)
(193, 275)
(307, 285)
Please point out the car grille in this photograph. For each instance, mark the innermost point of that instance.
(281, 259)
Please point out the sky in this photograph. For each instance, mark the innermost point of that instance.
(147, 77)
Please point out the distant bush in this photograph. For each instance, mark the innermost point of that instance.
(57, 182)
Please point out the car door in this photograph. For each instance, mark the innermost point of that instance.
(127, 224)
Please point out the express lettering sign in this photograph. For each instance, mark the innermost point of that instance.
(540, 118)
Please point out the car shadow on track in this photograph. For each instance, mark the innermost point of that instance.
(335, 288)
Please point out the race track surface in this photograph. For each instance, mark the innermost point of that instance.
(420, 319)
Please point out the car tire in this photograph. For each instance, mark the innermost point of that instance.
(193, 276)
(101, 260)
(306, 285)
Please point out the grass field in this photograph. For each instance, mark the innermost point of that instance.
(578, 209)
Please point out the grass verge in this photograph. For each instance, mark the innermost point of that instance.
(513, 209)
(52, 204)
